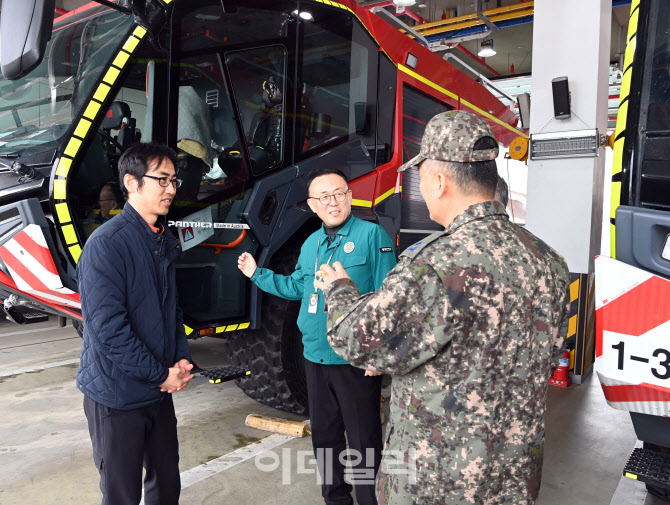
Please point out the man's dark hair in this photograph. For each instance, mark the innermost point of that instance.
(325, 171)
(502, 191)
(475, 177)
(142, 157)
(116, 190)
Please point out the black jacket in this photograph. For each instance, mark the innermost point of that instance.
(133, 329)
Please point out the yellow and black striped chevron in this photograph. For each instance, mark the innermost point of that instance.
(581, 329)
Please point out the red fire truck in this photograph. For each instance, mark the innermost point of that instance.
(254, 95)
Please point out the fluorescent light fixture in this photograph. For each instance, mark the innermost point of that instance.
(486, 49)
(568, 144)
(404, 3)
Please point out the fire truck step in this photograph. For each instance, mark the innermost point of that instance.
(22, 315)
(649, 466)
(218, 374)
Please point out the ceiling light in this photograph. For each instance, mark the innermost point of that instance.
(304, 15)
(486, 49)
(404, 3)
(421, 6)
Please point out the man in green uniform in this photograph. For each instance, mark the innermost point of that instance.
(468, 323)
(340, 397)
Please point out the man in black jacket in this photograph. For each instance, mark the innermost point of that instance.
(134, 351)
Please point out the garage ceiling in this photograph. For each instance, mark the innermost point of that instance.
(511, 66)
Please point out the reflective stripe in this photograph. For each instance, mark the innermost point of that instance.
(64, 166)
(102, 92)
(69, 234)
(75, 251)
(73, 147)
(361, 203)
(92, 110)
(385, 195)
(63, 213)
(121, 59)
(59, 189)
(111, 75)
(82, 128)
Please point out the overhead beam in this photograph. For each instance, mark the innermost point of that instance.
(523, 9)
(482, 16)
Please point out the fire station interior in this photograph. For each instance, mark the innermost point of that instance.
(235, 84)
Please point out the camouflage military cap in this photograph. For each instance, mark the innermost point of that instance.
(451, 136)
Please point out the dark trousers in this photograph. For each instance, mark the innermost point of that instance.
(124, 441)
(342, 399)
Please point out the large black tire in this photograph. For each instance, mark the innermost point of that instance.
(273, 353)
(274, 357)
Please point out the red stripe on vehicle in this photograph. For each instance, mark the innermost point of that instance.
(37, 251)
(29, 278)
(639, 310)
(636, 393)
(6, 280)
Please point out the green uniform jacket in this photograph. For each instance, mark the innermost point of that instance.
(469, 323)
(366, 252)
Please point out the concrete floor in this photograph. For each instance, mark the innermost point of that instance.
(45, 452)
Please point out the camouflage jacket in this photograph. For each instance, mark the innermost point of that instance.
(469, 324)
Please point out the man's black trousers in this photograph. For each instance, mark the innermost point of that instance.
(124, 441)
(342, 399)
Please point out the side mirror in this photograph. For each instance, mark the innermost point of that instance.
(25, 29)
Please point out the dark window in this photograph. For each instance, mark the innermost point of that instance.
(338, 73)
(37, 110)
(418, 109)
(205, 24)
(659, 92)
(386, 109)
(214, 191)
(258, 79)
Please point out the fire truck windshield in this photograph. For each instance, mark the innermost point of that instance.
(37, 110)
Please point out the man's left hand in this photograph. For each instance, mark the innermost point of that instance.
(185, 374)
(328, 275)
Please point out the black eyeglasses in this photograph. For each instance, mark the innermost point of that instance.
(325, 199)
(165, 181)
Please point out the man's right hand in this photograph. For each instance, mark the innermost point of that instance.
(247, 264)
(177, 380)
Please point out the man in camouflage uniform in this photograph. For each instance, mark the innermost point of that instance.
(469, 324)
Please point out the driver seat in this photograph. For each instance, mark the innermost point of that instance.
(118, 118)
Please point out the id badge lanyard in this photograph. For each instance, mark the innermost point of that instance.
(314, 297)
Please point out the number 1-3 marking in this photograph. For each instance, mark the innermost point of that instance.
(665, 363)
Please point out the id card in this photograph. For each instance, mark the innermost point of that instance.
(313, 302)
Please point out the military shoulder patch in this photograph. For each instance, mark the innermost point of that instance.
(414, 250)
